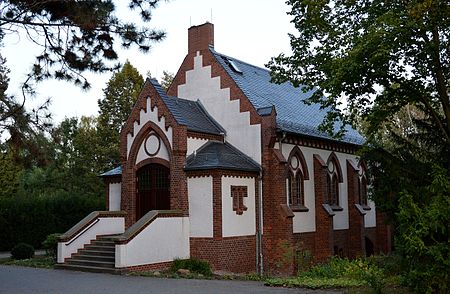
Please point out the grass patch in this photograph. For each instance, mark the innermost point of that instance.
(365, 275)
(37, 262)
(314, 282)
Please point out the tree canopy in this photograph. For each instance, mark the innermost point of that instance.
(384, 66)
(119, 97)
(377, 55)
(76, 35)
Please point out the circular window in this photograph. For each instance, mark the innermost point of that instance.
(294, 162)
(152, 144)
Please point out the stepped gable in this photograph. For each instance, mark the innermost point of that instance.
(293, 115)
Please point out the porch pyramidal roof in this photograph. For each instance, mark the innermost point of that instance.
(293, 115)
(220, 155)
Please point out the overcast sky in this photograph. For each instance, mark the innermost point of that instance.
(249, 30)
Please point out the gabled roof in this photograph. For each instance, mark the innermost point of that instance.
(293, 115)
(189, 113)
(112, 173)
(218, 155)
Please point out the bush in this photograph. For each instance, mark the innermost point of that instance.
(423, 236)
(22, 251)
(50, 245)
(31, 219)
(194, 265)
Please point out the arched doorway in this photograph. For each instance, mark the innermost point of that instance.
(152, 189)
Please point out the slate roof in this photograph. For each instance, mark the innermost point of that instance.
(189, 113)
(114, 172)
(293, 116)
(218, 155)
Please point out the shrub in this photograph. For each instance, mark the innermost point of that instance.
(193, 265)
(31, 219)
(423, 236)
(22, 251)
(50, 245)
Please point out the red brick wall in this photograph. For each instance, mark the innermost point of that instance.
(323, 238)
(356, 219)
(177, 154)
(233, 254)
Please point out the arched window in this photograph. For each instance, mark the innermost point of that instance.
(362, 185)
(334, 177)
(298, 173)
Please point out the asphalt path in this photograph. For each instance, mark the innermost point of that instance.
(14, 279)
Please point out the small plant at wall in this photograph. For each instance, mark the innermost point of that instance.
(304, 259)
(22, 251)
(193, 265)
(286, 254)
(50, 245)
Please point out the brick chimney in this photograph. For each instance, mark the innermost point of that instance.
(200, 37)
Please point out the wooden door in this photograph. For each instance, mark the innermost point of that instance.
(152, 183)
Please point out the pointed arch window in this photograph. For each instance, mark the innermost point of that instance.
(334, 177)
(297, 174)
(362, 186)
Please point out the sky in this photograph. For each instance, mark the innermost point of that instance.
(249, 30)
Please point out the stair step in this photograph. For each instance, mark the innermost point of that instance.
(92, 269)
(107, 237)
(83, 256)
(95, 263)
(100, 248)
(96, 253)
(103, 243)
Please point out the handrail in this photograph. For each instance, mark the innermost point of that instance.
(86, 222)
(142, 223)
(81, 233)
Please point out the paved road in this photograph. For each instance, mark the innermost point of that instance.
(16, 280)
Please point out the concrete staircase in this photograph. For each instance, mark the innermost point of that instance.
(98, 256)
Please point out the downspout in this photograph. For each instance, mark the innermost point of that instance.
(280, 143)
(259, 251)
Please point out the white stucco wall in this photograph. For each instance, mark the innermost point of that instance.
(305, 221)
(163, 240)
(199, 85)
(200, 193)
(162, 153)
(105, 226)
(370, 220)
(144, 117)
(234, 224)
(115, 192)
(194, 144)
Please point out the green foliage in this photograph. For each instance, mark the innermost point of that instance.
(77, 35)
(193, 265)
(119, 97)
(37, 262)
(22, 251)
(339, 273)
(10, 175)
(380, 56)
(50, 245)
(314, 283)
(166, 79)
(31, 219)
(423, 236)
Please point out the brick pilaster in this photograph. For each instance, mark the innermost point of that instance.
(323, 237)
